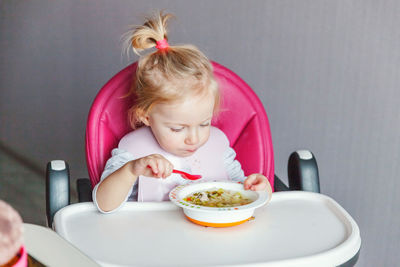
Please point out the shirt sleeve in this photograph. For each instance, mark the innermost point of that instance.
(232, 166)
(119, 158)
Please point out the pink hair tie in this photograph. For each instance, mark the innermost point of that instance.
(162, 44)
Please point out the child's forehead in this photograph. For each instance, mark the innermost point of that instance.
(194, 108)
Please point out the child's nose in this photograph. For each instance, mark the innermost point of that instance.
(192, 138)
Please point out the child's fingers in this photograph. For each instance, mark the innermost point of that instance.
(166, 166)
(161, 167)
(249, 181)
(169, 168)
(259, 186)
(152, 164)
(255, 182)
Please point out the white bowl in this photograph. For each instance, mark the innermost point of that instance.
(214, 216)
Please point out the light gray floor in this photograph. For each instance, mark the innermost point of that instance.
(23, 186)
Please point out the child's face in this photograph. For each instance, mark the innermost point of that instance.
(182, 127)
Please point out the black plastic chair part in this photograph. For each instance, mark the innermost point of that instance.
(279, 185)
(303, 171)
(57, 188)
(84, 190)
(352, 261)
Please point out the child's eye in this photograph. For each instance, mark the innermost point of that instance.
(176, 129)
(205, 124)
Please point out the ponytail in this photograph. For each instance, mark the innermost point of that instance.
(169, 73)
(147, 35)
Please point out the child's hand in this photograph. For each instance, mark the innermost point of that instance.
(154, 165)
(255, 182)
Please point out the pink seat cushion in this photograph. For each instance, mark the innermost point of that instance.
(242, 118)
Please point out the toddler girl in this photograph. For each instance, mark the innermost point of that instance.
(176, 97)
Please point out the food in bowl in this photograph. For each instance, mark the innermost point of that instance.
(213, 215)
(218, 197)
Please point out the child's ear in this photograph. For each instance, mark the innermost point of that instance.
(143, 117)
(145, 120)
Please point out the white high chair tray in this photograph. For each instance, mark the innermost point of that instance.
(295, 229)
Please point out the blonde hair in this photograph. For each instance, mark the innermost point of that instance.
(168, 74)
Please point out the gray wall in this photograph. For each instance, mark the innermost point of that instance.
(328, 74)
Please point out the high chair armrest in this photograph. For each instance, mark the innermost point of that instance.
(303, 171)
(57, 188)
(84, 190)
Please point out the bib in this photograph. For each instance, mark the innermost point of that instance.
(208, 161)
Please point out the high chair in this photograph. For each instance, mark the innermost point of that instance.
(244, 121)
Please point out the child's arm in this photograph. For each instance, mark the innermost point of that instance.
(232, 166)
(253, 182)
(112, 191)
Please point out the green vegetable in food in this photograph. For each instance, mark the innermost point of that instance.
(217, 197)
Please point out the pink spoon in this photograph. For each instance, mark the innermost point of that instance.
(185, 175)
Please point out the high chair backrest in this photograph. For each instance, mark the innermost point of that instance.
(242, 118)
